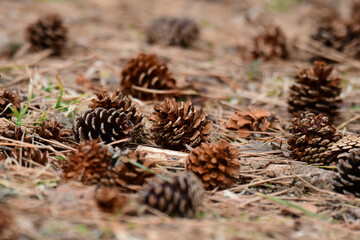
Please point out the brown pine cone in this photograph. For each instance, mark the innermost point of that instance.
(179, 195)
(253, 120)
(15, 132)
(270, 44)
(344, 146)
(47, 33)
(88, 164)
(130, 173)
(312, 136)
(347, 178)
(332, 33)
(8, 97)
(177, 124)
(52, 130)
(122, 103)
(215, 165)
(29, 155)
(173, 31)
(315, 91)
(148, 72)
(109, 199)
(108, 125)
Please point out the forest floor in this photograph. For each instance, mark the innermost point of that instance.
(277, 198)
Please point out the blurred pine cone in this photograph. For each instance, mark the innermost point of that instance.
(50, 129)
(108, 125)
(130, 173)
(253, 120)
(177, 124)
(47, 33)
(344, 146)
(30, 155)
(215, 165)
(315, 91)
(180, 195)
(173, 31)
(109, 199)
(15, 132)
(88, 164)
(122, 103)
(8, 97)
(312, 136)
(148, 72)
(332, 33)
(270, 44)
(347, 178)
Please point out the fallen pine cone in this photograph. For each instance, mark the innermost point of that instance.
(109, 199)
(347, 178)
(270, 44)
(8, 97)
(47, 33)
(215, 165)
(245, 123)
(173, 31)
(177, 124)
(312, 136)
(315, 91)
(343, 146)
(180, 195)
(148, 72)
(122, 103)
(108, 125)
(30, 155)
(52, 130)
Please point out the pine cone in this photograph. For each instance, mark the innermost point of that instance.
(347, 178)
(332, 33)
(15, 132)
(252, 120)
(177, 124)
(121, 103)
(146, 71)
(130, 173)
(52, 130)
(88, 164)
(344, 146)
(173, 31)
(312, 136)
(216, 166)
(47, 33)
(8, 97)
(315, 91)
(270, 44)
(109, 199)
(30, 155)
(181, 195)
(108, 125)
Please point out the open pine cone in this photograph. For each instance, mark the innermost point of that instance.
(121, 103)
(215, 165)
(344, 146)
(270, 44)
(130, 173)
(312, 136)
(15, 132)
(47, 33)
(173, 31)
(30, 155)
(88, 164)
(315, 91)
(8, 97)
(52, 130)
(148, 72)
(108, 125)
(180, 195)
(176, 124)
(253, 120)
(347, 178)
